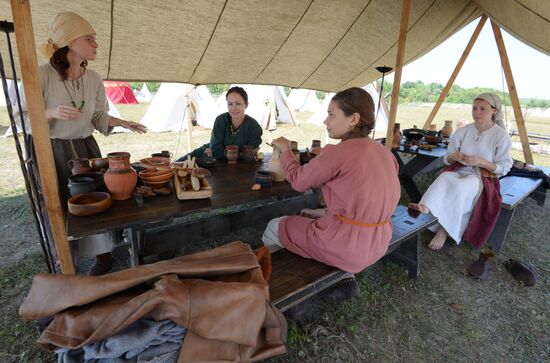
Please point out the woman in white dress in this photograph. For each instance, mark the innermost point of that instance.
(466, 196)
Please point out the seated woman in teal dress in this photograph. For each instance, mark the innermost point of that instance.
(231, 128)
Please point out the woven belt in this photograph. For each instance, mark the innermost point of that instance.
(361, 224)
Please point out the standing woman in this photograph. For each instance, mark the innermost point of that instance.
(76, 105)
(466, 198)
(234, 127)
(359, 182)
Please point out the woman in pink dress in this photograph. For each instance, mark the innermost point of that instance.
(359, 182)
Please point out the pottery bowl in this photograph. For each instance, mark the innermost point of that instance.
(414, 134)
(81, 185)
(155, 161)
(156, 179)
(206, 162)
(97, 177)
(150, 173)
(433, 140)
(157, 184)
(87, 204)
(263, 177)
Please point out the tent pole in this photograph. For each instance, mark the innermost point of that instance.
(26, 47)
(458, 67)
(383, 102)
(513, 93)
(398, 68)
(189, 125)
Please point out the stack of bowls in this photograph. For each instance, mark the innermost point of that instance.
(156, 178)
(263, 177)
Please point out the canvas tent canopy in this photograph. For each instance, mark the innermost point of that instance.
(295, 43)
(119, 92)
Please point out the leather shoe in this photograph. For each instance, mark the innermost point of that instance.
(521, 272)
(343, 290)
(481, 269)
(300, 313)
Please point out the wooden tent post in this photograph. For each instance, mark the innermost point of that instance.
(26, 47)
(398, 68)
(513, 93)
(458, 67)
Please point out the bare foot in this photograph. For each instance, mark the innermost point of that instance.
(439, 239)
(419, 207)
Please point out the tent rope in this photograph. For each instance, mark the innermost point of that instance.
(180, 132)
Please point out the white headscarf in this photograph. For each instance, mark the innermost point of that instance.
(494, 101)
(62, 29)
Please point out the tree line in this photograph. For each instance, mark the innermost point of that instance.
(409, 92)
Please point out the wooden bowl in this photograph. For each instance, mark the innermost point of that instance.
(159, 179)
(157, 184)
(155, 161)
(156, 172)
(87, 204)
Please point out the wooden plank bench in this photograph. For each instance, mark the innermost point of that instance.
(295, 279)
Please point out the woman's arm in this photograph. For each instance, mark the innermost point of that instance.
(129, 125)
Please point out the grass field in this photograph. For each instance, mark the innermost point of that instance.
(444, 317)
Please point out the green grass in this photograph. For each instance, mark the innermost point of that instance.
(444, 316)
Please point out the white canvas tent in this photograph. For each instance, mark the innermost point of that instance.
(204, 108)
(167, 111)
(304, 100)
(144, 96)
(267, 105)
(321, 114)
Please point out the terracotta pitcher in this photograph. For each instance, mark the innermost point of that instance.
(397, 135)
(120, 178)
(79, 166)
(274, 166)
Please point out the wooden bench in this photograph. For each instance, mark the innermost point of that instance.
(295, 279)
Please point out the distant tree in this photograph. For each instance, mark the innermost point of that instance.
(287, 90)
(152, 86)
(321, 95)
(218, 89)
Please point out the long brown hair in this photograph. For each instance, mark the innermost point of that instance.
(60, 62)
(358, 100)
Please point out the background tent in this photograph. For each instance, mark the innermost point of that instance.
(167, 111)
(304, 100)
(203, 107)
(119, 92)
(144, 96)
(267, 105)
(321, 114)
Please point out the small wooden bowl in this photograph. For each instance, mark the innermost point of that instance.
(87, 204)
(157, 184)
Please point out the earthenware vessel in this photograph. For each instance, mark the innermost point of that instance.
(79, 166)
(96, 176)
(249, 153)
(81, 185)
(87, 204)
(274, 166)
(297, 155)
(447, 130)
(232, 153)
(397, 134)
(120, 178)
(263, 177)
(294, 145)
(99, 164)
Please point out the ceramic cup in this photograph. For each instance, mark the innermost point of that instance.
(81, 185)
(232, 153)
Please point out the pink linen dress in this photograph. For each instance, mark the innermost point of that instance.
(358, 179)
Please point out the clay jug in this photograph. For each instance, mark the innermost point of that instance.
(447, 130)
(249, 153)
(274, 166)
(315, 147)
(294, 145)
(79, 166)
(397, 135)
(99, 164)
(120, 178)
(232, 153)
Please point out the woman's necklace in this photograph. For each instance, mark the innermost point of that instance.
(83, 102)
(234, 131)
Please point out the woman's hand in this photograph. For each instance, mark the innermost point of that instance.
(457, 156)
(130, 125)
(282, 144)
(62, 112)
(474, 160)
(313, 213)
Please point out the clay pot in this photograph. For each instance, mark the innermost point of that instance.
(79, 166)
(97, 177)
(297, 155)
(274, 166)
(232, 153)
(87, 204)
(294, 145)
(315, 143)
(249, 153)
(99, 164)
(120, 178)
(81, 185)
(263, 177)
(447, 130)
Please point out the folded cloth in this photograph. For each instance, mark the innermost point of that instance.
(530, 173)
(140, 342)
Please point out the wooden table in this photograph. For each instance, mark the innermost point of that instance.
(159, 214)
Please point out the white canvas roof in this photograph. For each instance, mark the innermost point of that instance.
(324, 45)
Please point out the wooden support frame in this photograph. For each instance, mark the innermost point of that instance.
(26, 47)
(398, 70)
(513, 93)
(457, 69)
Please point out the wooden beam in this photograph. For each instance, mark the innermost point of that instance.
(458, 67)
(398, 69)
(26, 47)
(513, 93)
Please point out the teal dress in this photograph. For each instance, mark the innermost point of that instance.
(249, 133)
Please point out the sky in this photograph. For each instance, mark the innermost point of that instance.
(530, 67)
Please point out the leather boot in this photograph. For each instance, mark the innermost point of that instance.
(481, 269)
(521, 272)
